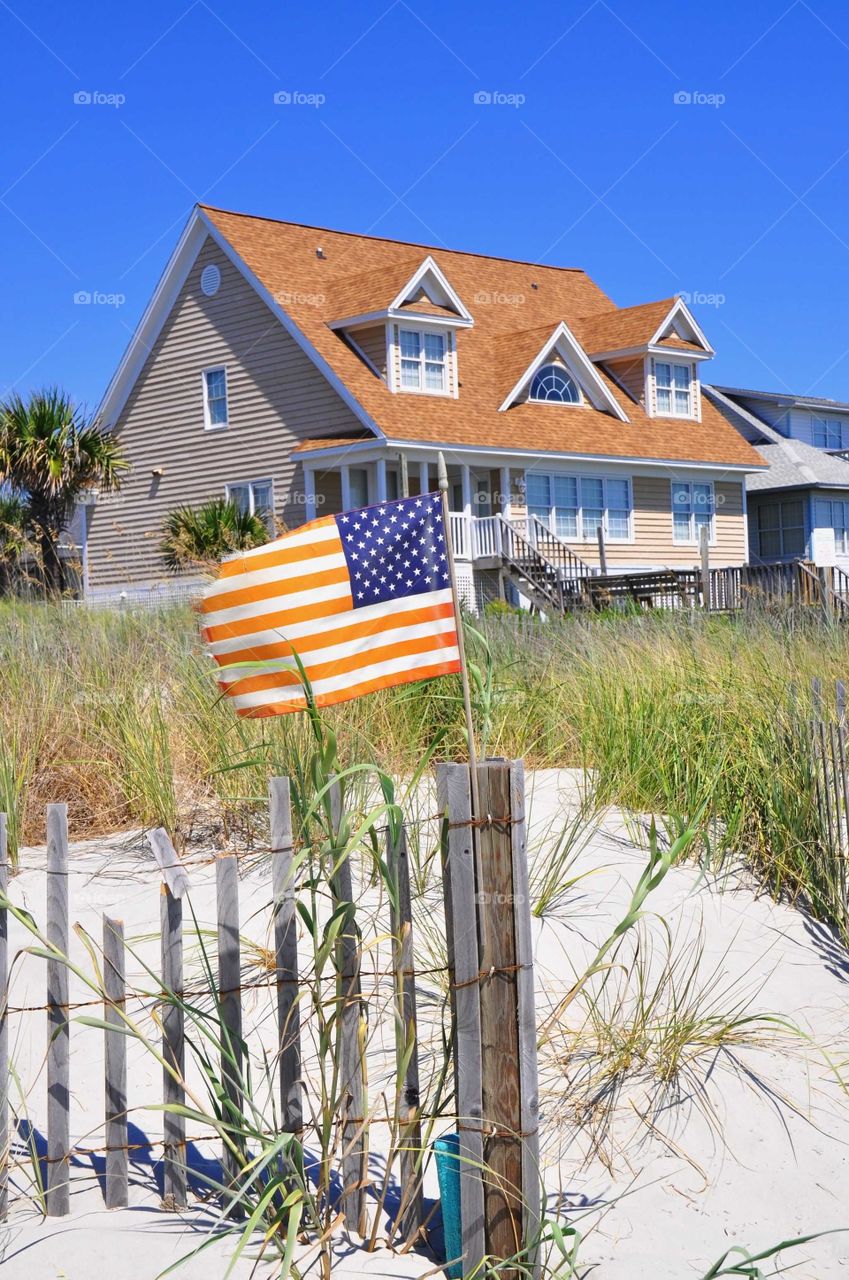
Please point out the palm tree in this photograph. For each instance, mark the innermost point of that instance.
(14, 537)
(199, 537)
(50, 454)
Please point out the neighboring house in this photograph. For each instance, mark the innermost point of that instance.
(799, 508)
(304, 371)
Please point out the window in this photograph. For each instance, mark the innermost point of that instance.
(552, 382)
(672, 389)
(575, 507)
(692, 509)
(422, 361)
(215, 398)
(781, 528)
(835, 515)
(254, 498)
(827, 433)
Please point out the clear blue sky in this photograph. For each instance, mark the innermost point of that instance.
(590, 162)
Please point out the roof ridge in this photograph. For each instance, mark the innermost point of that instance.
(413, 244)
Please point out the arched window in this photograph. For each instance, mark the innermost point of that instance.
(552, 382)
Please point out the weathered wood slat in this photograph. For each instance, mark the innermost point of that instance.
(458, 861)
(230, 1012)
(58, 1193)
(115, 1059)
(500, 1086)
(352, 1035)
(173, 1050)
(410, 1216)
(4, 1025)
(286, 957)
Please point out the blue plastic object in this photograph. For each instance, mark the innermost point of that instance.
(447, 1151)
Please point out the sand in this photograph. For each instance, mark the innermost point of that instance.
(753, 1148)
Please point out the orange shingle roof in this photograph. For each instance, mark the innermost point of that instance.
(507, 299)
(626, 327)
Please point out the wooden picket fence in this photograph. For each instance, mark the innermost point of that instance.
(828, 732)
(490, 969)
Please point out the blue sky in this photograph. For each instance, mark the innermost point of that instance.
(585, 155)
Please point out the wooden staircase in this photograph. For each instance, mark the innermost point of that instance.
(541, 565)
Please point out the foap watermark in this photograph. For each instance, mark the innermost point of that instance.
(95, 98)
(496, 98)
(484, 298)
(695, 98)
(96, 298)
(700, 298)
(295, 298)
(297, 98)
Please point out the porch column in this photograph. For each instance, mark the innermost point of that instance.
(309, 492)
(466, 478)
(345, 473)
(424, 477)
(504, 484)
(380, 476)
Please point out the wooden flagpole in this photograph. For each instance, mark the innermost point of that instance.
(461, 644)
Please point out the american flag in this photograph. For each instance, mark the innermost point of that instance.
(363, 598)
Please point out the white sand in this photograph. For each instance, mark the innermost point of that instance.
(660, 1202)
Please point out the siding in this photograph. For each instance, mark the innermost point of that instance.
(652, 520)
(276, 398)
(372, 342)
(632, 376)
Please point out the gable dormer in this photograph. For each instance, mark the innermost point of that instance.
(653, 352)
(406, 335)
(558, 373)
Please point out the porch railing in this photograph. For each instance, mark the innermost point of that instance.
(478, 537)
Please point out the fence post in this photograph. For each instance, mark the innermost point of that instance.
(410, 1217)
(352, 1083)
(58, 1193)
(114, 990)
(286, 956)
(602, 553)
(458, 861)
(4, 1025)
(230, 1011)
(173, 1051)
(704, 550)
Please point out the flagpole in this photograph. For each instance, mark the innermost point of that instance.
(461, 644)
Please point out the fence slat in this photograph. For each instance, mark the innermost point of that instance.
(500, 1085)
(351, 1067)
(528, 1067)
(454, 800)
(230, 1007)
(410, 1217)
(4, 1025)
(286, 956)
(58, 1193)
(173, 1050)
(115, 1060)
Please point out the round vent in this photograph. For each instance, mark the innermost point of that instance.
(210, 280)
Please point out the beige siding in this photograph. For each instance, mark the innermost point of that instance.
(653, 545)
(631, 374)
(276, 398)
(372, 343)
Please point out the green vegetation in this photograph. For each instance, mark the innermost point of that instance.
(50, 454)
(200, 537)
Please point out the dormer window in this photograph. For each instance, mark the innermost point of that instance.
(422, 361)
(672, 389)
(552, 383)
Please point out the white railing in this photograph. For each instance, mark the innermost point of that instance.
(461, 540)
(475, 537)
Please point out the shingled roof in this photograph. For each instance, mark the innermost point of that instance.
(506, 298)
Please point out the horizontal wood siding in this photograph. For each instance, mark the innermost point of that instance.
(631, 374)
(276, 398)
(652, 520)
(372, 343)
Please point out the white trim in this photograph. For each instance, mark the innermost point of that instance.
(429, 267)
(506, 495)
(424, 477)
(447, 389)
(363, 319)
(208, 425)
(345, 478)
(309, 492)
(622, 353)
(579, 365)
(380, 479)
(695, 413)
(679, 307)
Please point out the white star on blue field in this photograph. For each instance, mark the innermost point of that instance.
(395, 549)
